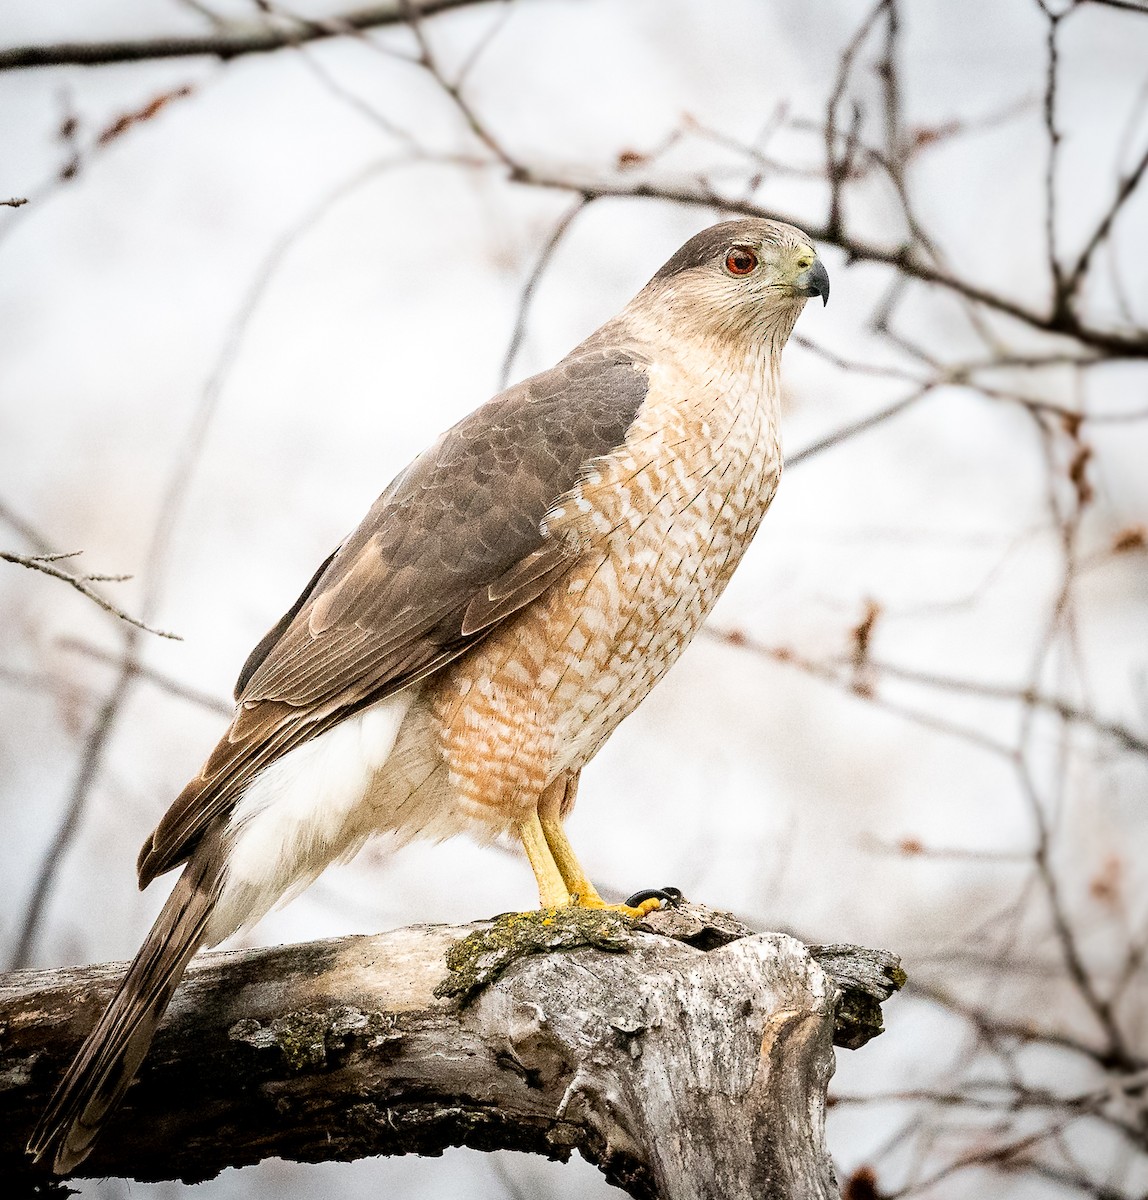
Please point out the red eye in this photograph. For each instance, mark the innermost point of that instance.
(740, 261)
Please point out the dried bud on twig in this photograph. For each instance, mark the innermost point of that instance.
(152, 108)
(1077, 472)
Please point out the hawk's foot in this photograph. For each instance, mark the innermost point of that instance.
(634, 911)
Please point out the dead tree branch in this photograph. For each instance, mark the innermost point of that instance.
(687, 1057)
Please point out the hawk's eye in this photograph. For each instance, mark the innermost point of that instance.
(740, 261)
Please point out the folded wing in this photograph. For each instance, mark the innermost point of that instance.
(451, 549)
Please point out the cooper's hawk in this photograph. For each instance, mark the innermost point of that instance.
(510, 597)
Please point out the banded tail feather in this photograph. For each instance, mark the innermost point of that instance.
(109, 1057)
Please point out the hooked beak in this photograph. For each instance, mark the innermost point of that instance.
(813, 282)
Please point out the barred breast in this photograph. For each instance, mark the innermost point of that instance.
(661, 523)
(672, 514)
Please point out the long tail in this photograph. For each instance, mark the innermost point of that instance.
(107, 1061)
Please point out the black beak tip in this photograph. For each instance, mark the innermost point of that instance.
(821, 281)
(815, 282)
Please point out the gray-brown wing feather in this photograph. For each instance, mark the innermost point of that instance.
(268, 640)
(454, 546)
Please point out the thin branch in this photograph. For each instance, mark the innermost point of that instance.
(1076, 1180)
(332, 84)
(82, 584)
(829, 674)
(231, 41)
(847, 432)
(1020, 695)
(990, 1025)
(545, 256)
(1117, 1053)
(895, 148)
(330, 81)
(854, 367)
(203, 10)
(1007, 1094)
(452, 89)
(1052, 159)
(1135, 6)
(483, 43)
(695, 193)
(165, 683)
(1124, 190)
(90, 763)
(82, 146)
(837, 167)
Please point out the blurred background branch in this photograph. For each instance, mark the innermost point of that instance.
(228, 39)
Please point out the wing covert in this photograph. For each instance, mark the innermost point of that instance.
(460, 519)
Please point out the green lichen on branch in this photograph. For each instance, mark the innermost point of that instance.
(478, 959)
(307, 1039)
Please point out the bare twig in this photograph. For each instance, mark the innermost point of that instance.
(1134, 6)
(850, 431)
(545, 256)
(82, 584)
(452, 89)
(1112, 343)
(165, 683)
(1126, 186)
(88, 769)
(232, 40)
(828, 673)
(1071, 713)
(1052, 159)
(838, 166)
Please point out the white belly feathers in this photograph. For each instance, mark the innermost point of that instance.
(304, 812)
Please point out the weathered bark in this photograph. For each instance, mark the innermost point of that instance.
(687, 1057)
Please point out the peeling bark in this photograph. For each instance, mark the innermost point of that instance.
(687, 1057)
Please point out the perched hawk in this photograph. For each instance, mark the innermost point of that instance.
(510, 597)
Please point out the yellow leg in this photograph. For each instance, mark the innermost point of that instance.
(552, 890)
(581, 890)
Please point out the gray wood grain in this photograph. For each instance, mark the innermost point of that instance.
(687, 1057)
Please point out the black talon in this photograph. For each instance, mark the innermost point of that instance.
(668, 895)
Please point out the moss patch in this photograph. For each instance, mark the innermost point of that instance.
(309, 1040)
(480, 958)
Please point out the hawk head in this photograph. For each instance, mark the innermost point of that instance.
(741, 277)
